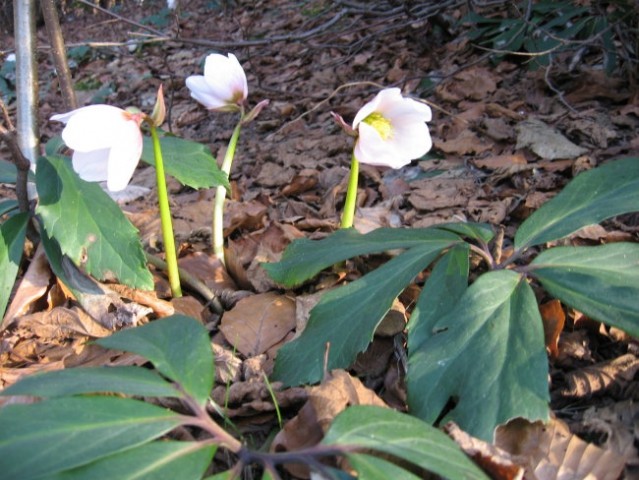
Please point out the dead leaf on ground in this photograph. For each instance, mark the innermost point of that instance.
(496, 462)
(465, 143)
(552, 452)
(553, 318)
(545, 141)
(434, 193)
(32, 287)
(610, 376)
(325, 401)
(258, 322)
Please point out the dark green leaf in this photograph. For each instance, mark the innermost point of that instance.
(304, 258)
(489, 354)
(8, 172)
(7, 206)
(402, 436)
(347, 317)
(12, 233)
(445, 286)
(89, 227)
(42, 439)
(477, 231)
(602, 282)
(369, 467)
(125, 380)
(593, 196)
(179, 348)
(190, 163)
(166, 460)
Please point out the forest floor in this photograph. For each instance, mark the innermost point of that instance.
(507, 138)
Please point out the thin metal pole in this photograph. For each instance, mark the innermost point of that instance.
(26, 78)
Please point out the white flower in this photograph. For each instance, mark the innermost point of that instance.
(223, 86)
(106, 143)
(392, 130)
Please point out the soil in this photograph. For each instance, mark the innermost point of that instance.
(289, 176)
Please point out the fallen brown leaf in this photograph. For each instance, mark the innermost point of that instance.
(258, 322)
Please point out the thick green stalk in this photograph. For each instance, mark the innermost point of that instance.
(220, 196)
(351, 195)
(165, 218)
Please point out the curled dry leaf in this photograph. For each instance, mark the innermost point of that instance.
(611, 376)
(553, 318)
(552, 452)
(258, 322)
(493, 460)
(325, 401)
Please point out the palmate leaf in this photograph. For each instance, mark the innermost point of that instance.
(125, 380)
(166, 460)
(12, 233)
(488, 353)
(42, 439)
(177, 346)
(304, 258)
(404, 437)
(346, 317)
(602, 282)
(190, 163)
(593, 196)
(89, 227)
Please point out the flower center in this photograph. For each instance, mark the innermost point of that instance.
(380, 123)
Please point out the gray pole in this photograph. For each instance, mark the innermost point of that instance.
(26, 78)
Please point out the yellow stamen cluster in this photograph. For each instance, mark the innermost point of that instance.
(380, 123)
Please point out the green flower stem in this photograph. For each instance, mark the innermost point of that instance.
(220, 196)
(165, 218)
(351, 195)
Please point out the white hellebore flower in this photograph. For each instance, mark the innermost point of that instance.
(106, 143)
(223, 86)
(392, 130)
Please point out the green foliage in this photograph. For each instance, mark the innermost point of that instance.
(70, 435)
(551, 27)
(89, 227)
(190, 163)
(404, 437)
(8, 81)
(12, 234)
(483, 345)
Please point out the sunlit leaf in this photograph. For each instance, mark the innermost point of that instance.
(45, 438)
(179, 348)
(403, 437)
(73, 381)
(89, 227)
(12, 233)
(166, 460)
(475, 231)
(593, 196)
(346, 317)
(488, 353)
(304, 258)
(602, 282)
(190, 163)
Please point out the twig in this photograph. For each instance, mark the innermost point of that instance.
(22, 163)
(59, 54)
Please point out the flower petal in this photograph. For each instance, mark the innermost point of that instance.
(124, 156)
(371, 149)
(91, 128)
(202, 92)
(91, 166)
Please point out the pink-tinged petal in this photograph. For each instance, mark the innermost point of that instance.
(91, 166)
(124, 157)
(202, 92)
(91, 128)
